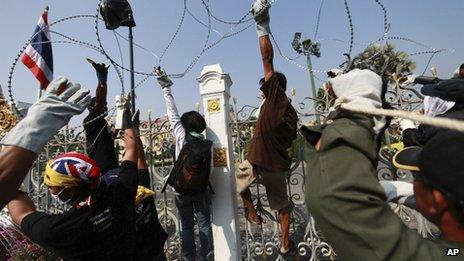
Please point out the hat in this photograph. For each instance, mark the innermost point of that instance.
(70, 169)
(439, 162)
(448, 90)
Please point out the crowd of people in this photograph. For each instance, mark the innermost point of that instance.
(112, 214)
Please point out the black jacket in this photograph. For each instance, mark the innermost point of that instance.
(420, 136)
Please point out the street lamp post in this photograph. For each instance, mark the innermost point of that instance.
(118, 13)
(131, 60)
(308, 48)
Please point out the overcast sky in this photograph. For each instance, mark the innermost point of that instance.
(437, 24)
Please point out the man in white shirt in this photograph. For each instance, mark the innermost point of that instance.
(190, 174)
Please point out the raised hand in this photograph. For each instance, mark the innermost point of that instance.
(123, 116)
(163, 80)
(101, 69)
(260, 10)
(51, 112)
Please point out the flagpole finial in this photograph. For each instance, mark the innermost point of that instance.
(47, 8)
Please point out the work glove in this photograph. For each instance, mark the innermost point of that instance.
(123, 116)
(408, 81)
(102, 72)
(163, 80)
(51, 112)
(135, 119)
(260, 11)
(406, 124)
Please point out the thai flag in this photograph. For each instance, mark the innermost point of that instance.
(38, 56)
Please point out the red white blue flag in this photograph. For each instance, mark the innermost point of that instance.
(38, 56)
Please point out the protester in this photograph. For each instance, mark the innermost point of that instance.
(102, 221)
(344, 195)
(21, 146)
(150, 235)
(268, 161)
(444, 99)
(99, 137)
(190, 174)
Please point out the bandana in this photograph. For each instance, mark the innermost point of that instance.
(69, 169)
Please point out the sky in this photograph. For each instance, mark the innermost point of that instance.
(432, 23)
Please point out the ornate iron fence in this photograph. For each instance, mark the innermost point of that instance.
(258, 242)
(263, 242)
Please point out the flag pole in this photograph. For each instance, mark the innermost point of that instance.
(39, 92)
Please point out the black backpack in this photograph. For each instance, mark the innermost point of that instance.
(190, 174)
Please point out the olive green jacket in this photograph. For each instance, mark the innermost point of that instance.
(347, 202)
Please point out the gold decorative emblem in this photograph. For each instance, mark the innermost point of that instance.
(7, 117)
(220, 157)
(213, 105)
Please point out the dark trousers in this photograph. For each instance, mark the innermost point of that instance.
(197, 207)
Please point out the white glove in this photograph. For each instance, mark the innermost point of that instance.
(406, 124)
(48, 115)
(163, 79)
(260, 12)
(123, 119)
(409, 81)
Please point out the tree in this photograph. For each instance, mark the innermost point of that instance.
(384, 60)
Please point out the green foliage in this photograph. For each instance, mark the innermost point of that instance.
(384, 60)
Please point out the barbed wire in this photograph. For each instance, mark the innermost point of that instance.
(120, 69)
(201, 22)
(103, 51)
(351, 26)
(318, 19)
(179, 26)
(386, 27)
(23, 48)
(121, 58)
(228, 22)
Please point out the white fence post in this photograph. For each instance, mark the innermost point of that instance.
(214, 90)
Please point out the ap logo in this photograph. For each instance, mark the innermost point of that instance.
(453, 252)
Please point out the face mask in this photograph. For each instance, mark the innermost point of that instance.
(57, 197)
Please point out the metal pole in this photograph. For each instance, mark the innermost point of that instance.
(313, 86)
(39, 93)
(131, 55)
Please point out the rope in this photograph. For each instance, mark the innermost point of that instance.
(440, 122)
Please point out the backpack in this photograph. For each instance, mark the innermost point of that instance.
(190, 174)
